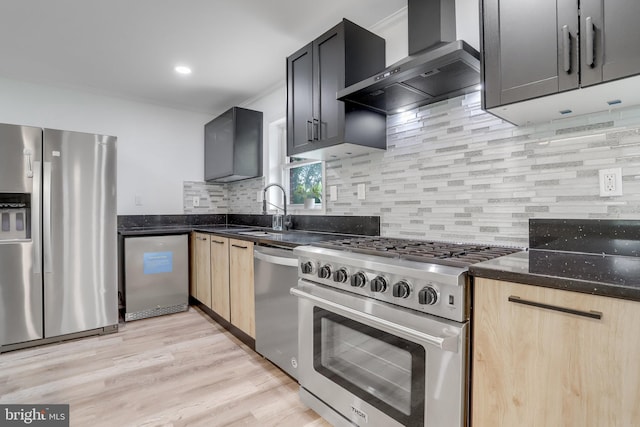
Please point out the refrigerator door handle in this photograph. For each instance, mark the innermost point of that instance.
(29, 165)
(46, 214)
(36, 218)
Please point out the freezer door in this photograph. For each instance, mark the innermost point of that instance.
(20, 241)
(79, 232)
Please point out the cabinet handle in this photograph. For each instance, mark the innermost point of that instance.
(316, 129)
(309, 131)
(201, 238)
(566, 48)
(591, 35)
(217, 241)
(239, 247)
(590, 314)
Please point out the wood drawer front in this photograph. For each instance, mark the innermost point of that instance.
(541, 366)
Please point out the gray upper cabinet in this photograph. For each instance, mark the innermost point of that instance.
(610, 41)
(233, 146)
(299, 93)
(537, 48)
(318, 125)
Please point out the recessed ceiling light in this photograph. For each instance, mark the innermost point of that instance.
(181, 69)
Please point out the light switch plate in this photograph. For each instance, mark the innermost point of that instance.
(333, 193)
(196, 201)
(361, 192)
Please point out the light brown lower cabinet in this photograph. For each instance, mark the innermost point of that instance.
(203, 268)
(241, 286)
(192, 264)
(220, 276)
(540, 365)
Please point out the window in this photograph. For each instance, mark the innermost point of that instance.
(303, 179)
(305, 182)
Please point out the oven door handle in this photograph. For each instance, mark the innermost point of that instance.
(447, 343)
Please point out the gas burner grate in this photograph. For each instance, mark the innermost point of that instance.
(443, 253)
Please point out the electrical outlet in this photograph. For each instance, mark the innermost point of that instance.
(333, 193)
(196, 201)
(610, 182)
(259, 196)
(138, 200)
(361, 192)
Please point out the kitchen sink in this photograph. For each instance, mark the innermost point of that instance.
(259, 234)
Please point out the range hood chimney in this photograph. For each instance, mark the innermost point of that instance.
(438, 66)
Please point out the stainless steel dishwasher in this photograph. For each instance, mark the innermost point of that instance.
(276, 271)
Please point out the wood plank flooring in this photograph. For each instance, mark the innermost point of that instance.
(177, 370)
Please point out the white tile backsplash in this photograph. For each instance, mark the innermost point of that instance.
(453, 172)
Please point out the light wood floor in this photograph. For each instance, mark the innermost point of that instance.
(177, 370)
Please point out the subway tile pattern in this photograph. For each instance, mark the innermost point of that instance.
(243, 196)
(214, 198)
(453, 172)
(232, 197)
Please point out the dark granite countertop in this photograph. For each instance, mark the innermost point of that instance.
(291, 238)
(160, 230)
(307, 228)
(155, 231)
(599, 274)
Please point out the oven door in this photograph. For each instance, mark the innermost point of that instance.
(377, 364)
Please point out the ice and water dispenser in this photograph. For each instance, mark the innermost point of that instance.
(15, 216)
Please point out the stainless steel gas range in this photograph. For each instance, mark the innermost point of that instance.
(384, 330)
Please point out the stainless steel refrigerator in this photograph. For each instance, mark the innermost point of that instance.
(58, 242)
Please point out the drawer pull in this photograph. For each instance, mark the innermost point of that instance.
(590, 314)
(217, 241)
(239, 247)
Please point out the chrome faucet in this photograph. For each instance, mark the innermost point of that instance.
(287, 221)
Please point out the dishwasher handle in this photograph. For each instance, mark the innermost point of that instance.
(274, 259)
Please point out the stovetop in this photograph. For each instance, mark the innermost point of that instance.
(442, 253)
(427, 276)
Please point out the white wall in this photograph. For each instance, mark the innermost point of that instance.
(158, 147)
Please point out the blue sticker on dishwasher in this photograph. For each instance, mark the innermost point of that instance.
(158, 262)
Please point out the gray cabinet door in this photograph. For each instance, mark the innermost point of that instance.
(343, 55)
(610, 40)
(315, 74)
(300, 100)
(530, 49)
(329, 70)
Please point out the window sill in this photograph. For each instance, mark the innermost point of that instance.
(300, 210)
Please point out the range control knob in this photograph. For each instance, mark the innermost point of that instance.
(401, 289)
(341, 275)
(306, 267)
(379, 284)
(324, 272)
(358, 280)
(427, 296)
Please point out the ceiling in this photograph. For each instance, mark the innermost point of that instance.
(129, 48)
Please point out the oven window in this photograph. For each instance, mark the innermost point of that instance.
(380, 368)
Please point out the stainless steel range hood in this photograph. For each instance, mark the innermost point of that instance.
(438, 66)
